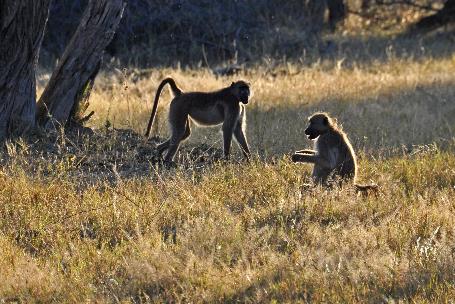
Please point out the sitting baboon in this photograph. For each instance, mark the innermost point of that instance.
(333, 157)
(226, 106)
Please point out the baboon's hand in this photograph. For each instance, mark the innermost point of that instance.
(305, 151)
(296, 157)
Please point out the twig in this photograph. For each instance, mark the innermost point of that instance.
(408, 3)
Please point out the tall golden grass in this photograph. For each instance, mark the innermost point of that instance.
(244, 232)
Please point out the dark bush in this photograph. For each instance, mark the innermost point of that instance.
(159, 32)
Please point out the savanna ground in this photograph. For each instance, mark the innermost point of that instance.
(94, 218)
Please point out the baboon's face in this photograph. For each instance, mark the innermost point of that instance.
(241, 90)
(318, 124)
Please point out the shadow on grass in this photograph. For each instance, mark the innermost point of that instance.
(352, 50)
(317, 284)
(356, 50)
(391, 124)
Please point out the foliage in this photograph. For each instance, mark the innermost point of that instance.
(201, 33)
(165, 32)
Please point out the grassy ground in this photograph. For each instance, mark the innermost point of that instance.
(91, 218)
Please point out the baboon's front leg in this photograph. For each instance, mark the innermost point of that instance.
(313, 159)
(241, 139)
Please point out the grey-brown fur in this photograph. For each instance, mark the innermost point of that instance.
(333, 157)
(226, 106)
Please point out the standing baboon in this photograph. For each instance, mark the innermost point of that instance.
(333, 156)
(205, 108)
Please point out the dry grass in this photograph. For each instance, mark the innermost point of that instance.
(243, 232)
(404, 97)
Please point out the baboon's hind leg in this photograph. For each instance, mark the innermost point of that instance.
(181, 131)
(187, 130)
(163, 146)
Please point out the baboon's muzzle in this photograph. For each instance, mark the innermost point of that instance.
(244, 99)
(311, 133)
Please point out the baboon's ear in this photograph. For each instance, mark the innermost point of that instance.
(232, 84)
(325, 121)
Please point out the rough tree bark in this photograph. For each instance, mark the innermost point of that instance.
(73, 78)
(337, 12)
(22, 24)
(317, 9)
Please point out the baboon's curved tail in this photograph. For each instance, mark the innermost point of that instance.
(175, 90)
(366, 189)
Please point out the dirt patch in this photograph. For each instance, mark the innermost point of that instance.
(98, 155)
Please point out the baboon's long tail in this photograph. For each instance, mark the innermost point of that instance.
(175, 90)
(365, 189)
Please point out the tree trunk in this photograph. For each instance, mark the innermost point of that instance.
(72, 79)
(337, 12)
(22, 24)
(315, 12)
